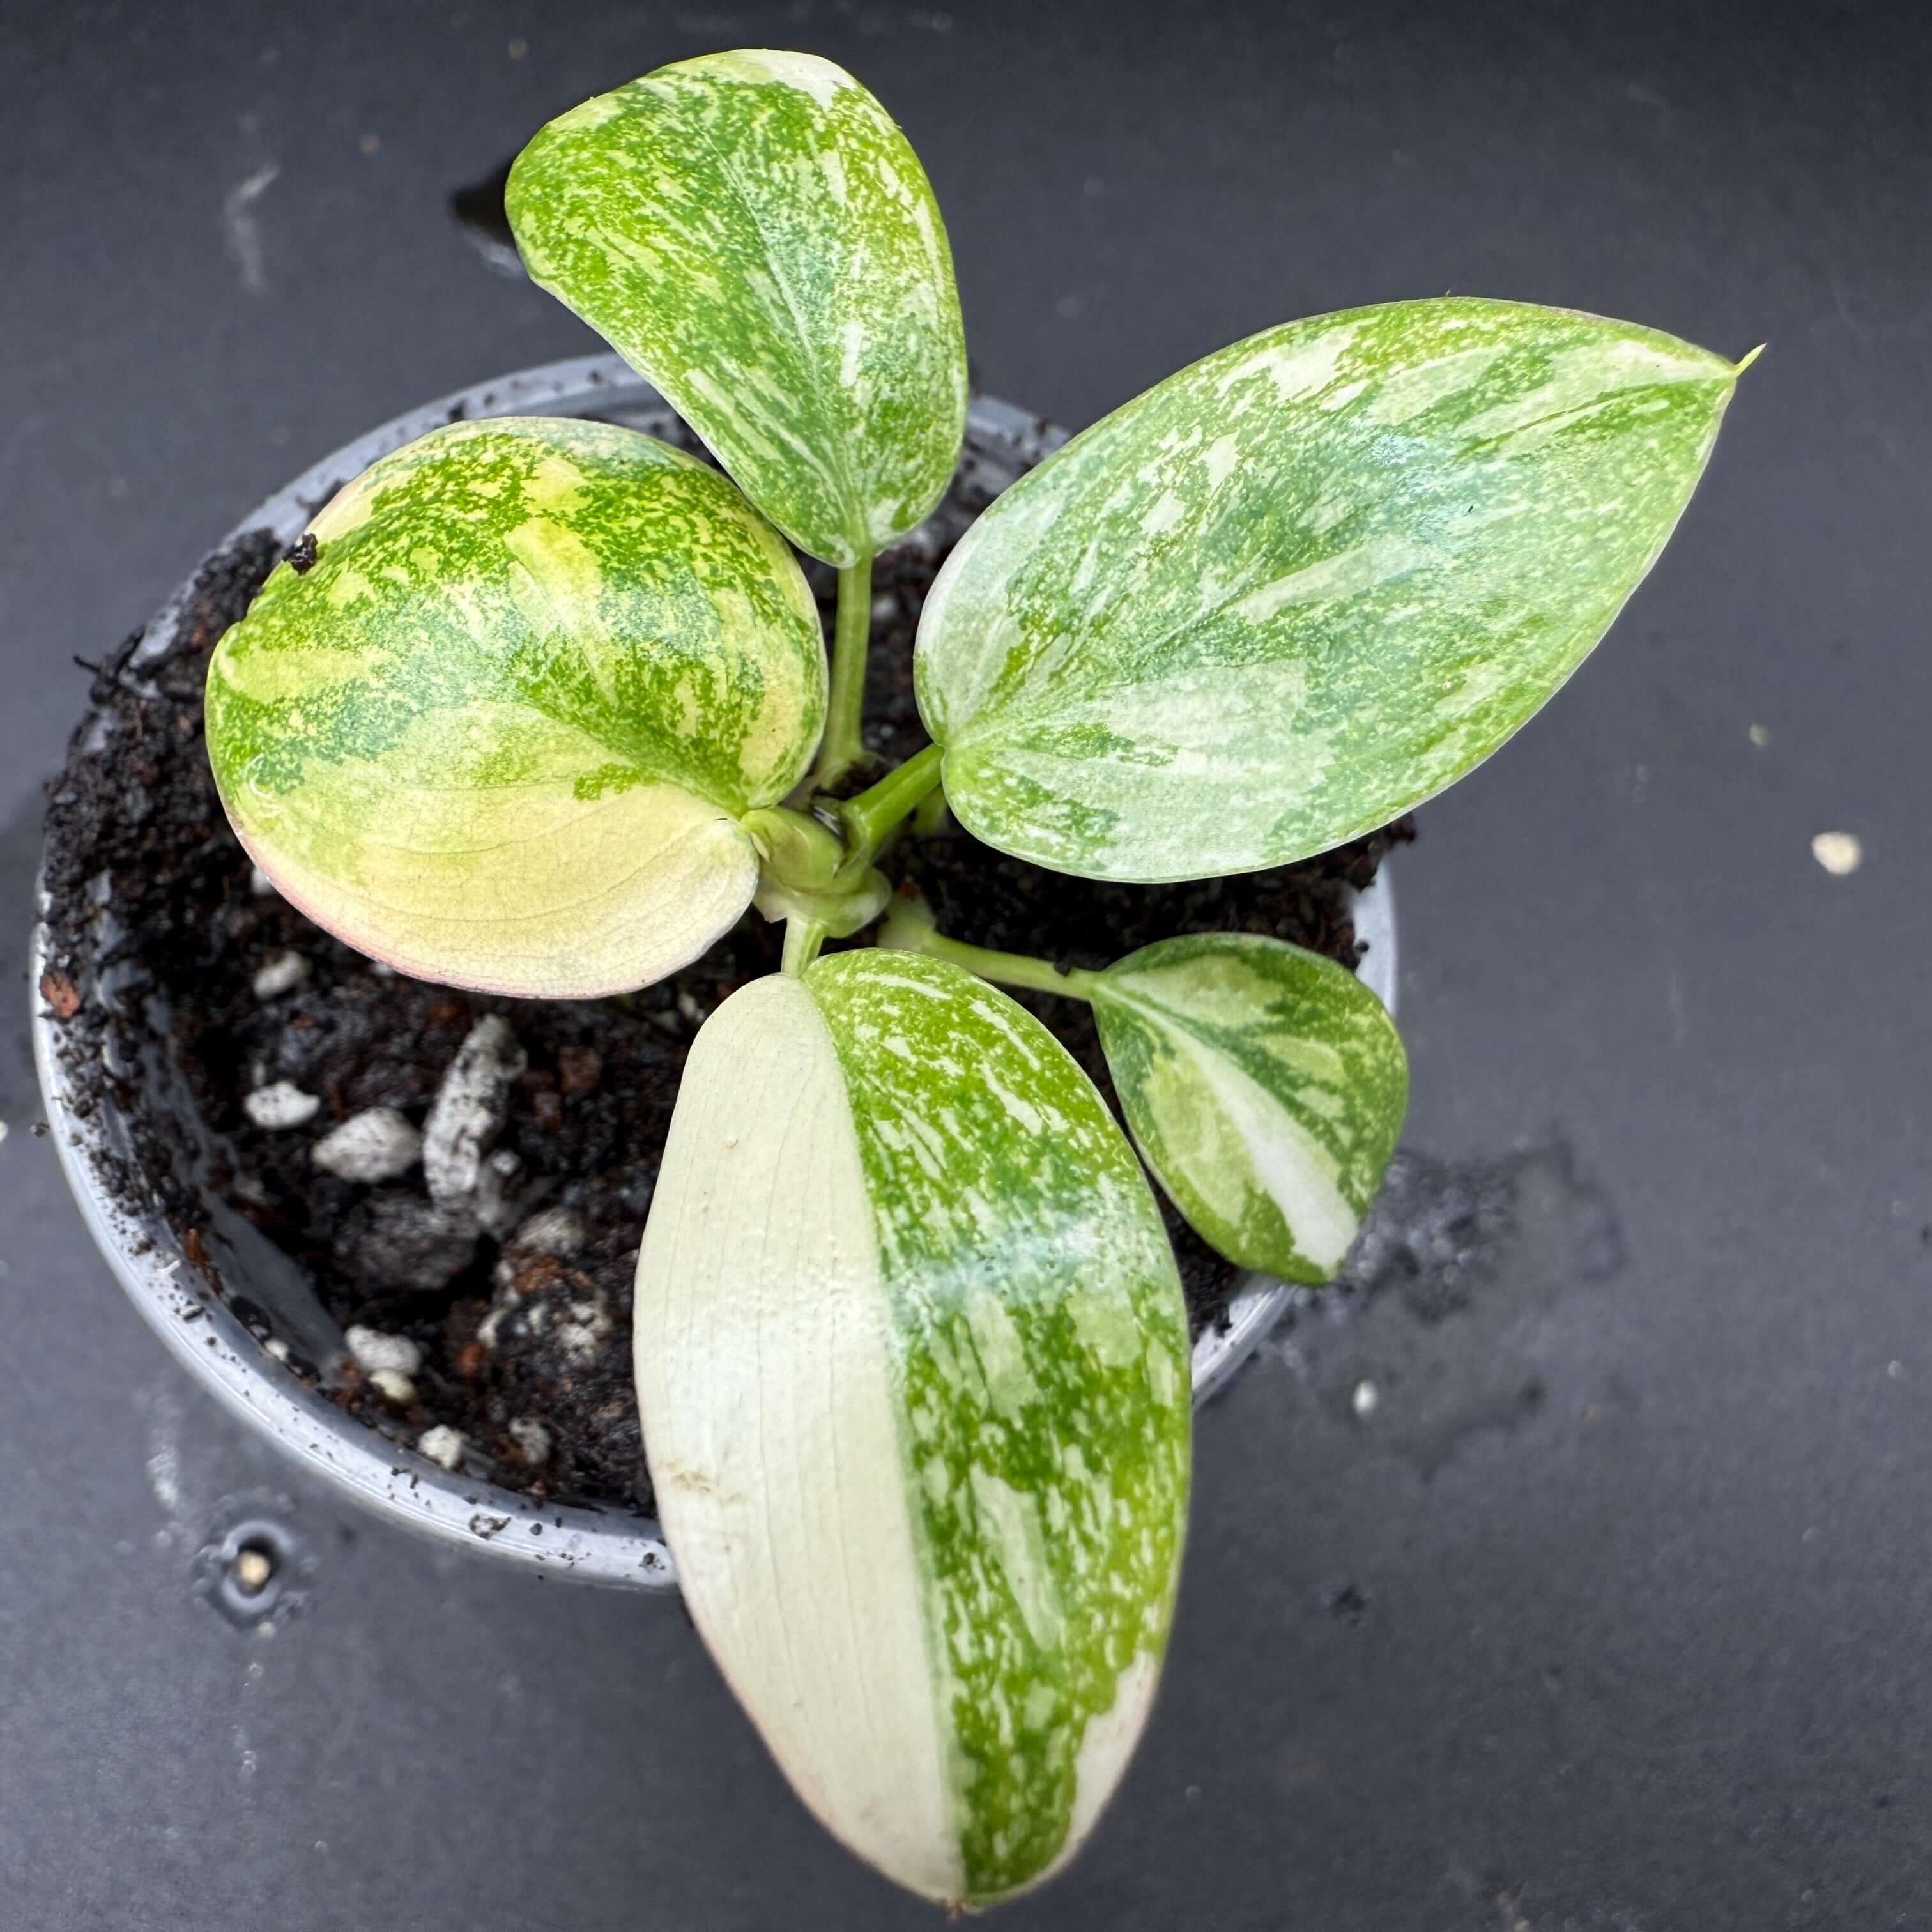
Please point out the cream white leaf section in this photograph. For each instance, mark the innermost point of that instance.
(912, 1365)
(1043, 1367)
(767, 1382)
(1266, 1086)
(501, 731)
(1306, 583)
(752, 231)
(579, 899)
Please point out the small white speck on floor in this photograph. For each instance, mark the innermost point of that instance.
(1758, 734)
(373, 1349)
(1810, 1534)
(280, 1105)
(3, 1130)
(260, 884)
(1839, 853)
(280, 973)
(1366, 1400)
(1896, 1370)
(442, 1444)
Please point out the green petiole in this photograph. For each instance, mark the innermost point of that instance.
(870, 817)
(843, 746)
(909, 929)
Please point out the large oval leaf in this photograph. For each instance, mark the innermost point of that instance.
(1266, 1085)
(912, 1365)
(752, 231)
(1303, 585)
(500, 732)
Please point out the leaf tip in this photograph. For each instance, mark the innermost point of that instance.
(1745, 361)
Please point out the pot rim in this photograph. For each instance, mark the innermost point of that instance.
(203, 1332)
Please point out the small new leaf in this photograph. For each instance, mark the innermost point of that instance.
(501, 731)
(752, 231)
(912, 1365)
(1303, 585)
(1265, 1085)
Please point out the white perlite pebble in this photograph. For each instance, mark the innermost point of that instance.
(470, 1109)
(550, 1230)
(1366, 1400)
(374, 1350)
(277, 1348)
(493, 1206)
(531, 1438)
(586, 1328)
(260, 884)
(394, 1387)
(1839, 853)
(377, 1144)
(442, 1444)
(280, 973)
(280, 1105)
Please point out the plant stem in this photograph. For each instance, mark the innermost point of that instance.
(909, 929)
(842, 746)
(872, 814)
(802, 939)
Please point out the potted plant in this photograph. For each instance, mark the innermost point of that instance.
(540, 707)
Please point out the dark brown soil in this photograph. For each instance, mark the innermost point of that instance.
(510, 1333)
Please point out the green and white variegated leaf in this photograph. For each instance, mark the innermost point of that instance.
(912, 1365)
(1266, 1085)
(1302, 585)
(501, 733)
(752, 231)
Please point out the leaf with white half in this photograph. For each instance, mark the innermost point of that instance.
(912, 1365)
(1266, 1086)
(753, 232)
(1298, 588)
(501, 733)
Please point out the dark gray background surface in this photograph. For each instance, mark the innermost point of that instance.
(1613, 1614)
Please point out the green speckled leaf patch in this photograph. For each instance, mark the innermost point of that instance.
(752, 231)
(1306, 583)
(500, 733)
(1266, 1085)
(1045, 1387)
(912, 1363)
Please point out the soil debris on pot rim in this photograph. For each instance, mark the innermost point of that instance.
(467, 1190)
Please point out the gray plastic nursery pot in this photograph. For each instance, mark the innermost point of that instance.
(209, 1338)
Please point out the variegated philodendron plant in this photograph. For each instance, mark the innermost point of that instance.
(546, 706)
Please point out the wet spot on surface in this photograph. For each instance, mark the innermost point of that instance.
(1427, 1337)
